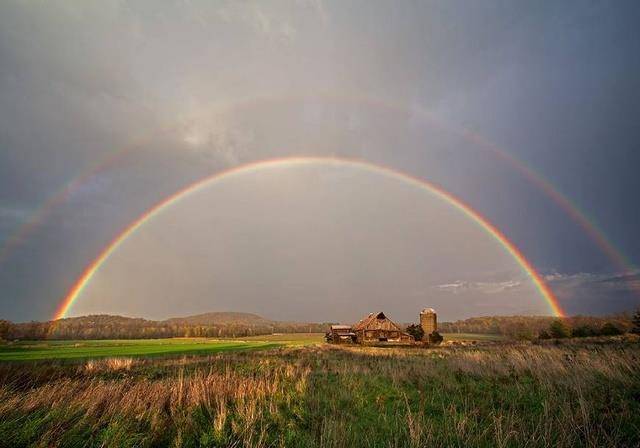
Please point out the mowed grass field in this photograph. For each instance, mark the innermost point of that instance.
(50, 350)
(320, 395)
(86, 349)
(470, 337)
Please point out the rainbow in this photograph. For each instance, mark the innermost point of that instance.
(579, 217)
(60, 197)
(89, 272)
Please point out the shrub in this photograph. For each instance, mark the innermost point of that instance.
(544, 335)
(559, 330)
(524, 334)
(636, 323)
(584, 331)
(416, 331)
(435, 338)
(610, 329)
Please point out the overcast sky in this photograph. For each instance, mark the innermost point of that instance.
(130, 101)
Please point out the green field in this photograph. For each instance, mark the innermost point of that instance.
(87, 349)
(472, 337)
(288, 338)
(43, 350)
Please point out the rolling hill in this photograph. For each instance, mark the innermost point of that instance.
(221, 318)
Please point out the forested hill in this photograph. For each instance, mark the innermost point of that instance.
(221, 318)
(103, 326)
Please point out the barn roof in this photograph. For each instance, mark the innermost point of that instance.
(376, 321)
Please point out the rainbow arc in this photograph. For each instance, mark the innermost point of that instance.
(85, 278)
(579, 217)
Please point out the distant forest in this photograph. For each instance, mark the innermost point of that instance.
(528, 327)
(119, 327)
(232, 324)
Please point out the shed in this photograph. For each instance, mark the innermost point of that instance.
(341, 334)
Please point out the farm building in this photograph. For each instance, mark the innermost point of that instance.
(377, 327)
(428, 321)
(341, 334)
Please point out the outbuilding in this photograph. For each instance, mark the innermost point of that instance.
(341, 334)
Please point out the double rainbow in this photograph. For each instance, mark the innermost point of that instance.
(579, 217)
(158, 208)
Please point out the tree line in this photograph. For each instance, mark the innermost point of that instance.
(531, 327)
(117, 327)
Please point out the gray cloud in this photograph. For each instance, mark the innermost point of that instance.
(202, 86)
(483, 287)
(599, 293)
(15, 214)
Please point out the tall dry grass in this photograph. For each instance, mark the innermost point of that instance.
(508, 395)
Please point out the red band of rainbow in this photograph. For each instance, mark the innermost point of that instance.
(86, 276)
(622, 263)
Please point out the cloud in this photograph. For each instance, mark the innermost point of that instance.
(197, 87)
(627, 281)
(597, 293)
(578, 293)
(484, 287)
(14, 213)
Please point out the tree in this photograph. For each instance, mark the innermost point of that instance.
(610, 329)
(435, 338)
(5, 328)
(416, 331)
(559, 330)
(636, 323)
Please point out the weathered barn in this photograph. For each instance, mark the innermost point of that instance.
(340, 334)
(376, 327)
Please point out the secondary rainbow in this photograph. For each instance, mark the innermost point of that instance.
(621, 262)
(508, 246)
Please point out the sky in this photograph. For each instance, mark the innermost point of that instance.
(108, 107)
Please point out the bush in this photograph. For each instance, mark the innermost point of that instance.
(636, 323)
(435, 338)
(610, 329)
(559, 330)
(416, 331)
(544, 335)
(584, 331)
(524, 334)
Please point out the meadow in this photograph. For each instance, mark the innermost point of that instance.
(51, 350)
(102, 348)
(317, 395)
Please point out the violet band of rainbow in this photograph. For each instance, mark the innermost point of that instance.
(85, 278)
(619, 260)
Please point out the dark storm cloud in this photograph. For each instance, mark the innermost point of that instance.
(589, 293)
(555, 84)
